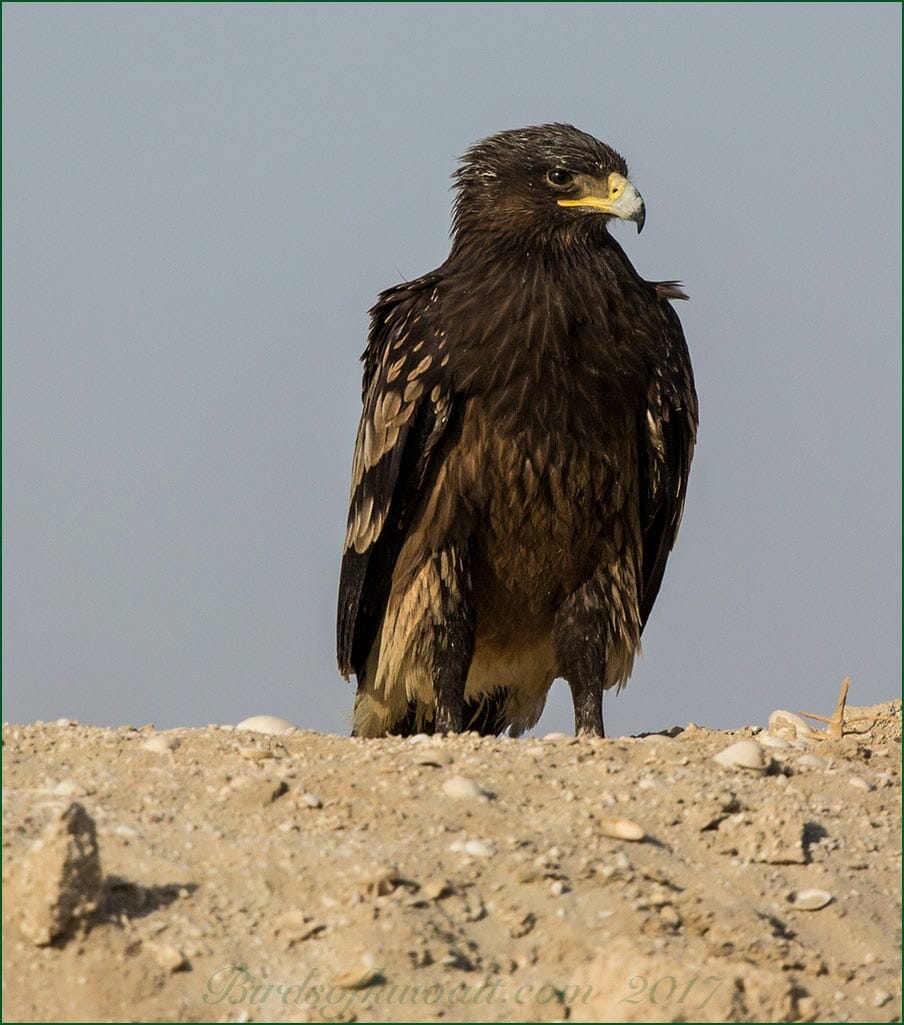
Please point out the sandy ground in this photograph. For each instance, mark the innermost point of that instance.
(225, 875)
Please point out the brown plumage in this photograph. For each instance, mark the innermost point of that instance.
(522, 458)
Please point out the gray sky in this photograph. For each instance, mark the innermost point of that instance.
(201, 202)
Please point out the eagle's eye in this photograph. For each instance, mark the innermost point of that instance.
(559, 177)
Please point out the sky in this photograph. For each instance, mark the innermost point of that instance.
(201, 202)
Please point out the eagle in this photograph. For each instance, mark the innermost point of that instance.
(520, 469)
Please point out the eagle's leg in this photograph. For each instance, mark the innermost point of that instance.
(453, 640)
(580, 641)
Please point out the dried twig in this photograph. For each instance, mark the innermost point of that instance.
(837, 722)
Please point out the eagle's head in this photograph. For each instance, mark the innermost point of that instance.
(542, 180)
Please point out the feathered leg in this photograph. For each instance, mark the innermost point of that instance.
(596, 636)
(452, 644)
(580, 640)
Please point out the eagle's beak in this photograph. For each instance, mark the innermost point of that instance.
(616, 197)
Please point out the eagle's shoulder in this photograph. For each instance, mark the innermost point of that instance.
(411, 304)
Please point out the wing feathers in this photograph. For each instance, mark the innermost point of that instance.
(405, 413)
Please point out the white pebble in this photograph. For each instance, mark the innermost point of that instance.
(788, 725)
(311, 800)
(860, 783)
(777, 743)
(271, 724)
(559, 738)
(462, 788)
(479, 849)
(69, 788)
(812, 761)
(745, 754)
(810, 900)
(168, 957)
(621, 829)
(434, 756)
(160, 743)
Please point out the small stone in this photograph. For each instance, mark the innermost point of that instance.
(295, 927)
(436, 889)
(461, 788)
(788, 725)
(270, 724)
(881, 997)
(744, 754)
(859, 783)
(810, 900)
(357, 978)
(807, 1009)
(776, 743)
(620, 828)
(255, 754)
(479, 849)
(166, 956)
(559, 738)
(160, 743)
(811, 761)
(311, 800)
(68, 788)
(434, 756)
(557, 887)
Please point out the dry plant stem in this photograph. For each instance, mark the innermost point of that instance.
(837, 722)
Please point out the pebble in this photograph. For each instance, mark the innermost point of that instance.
(356, 978)
(621, 829)
(161, 744)
(777, 743)
(68, 788)
(810, 900)
(476, 848)
(295, 926)
(789, 725)
(860, 783)
(435, 757)
(812, 761)
(559, 738)
(462, 788)
(436, 889)
(166, 956)
(271, 724)
(744, 754)
(255, 754)
(311, 800)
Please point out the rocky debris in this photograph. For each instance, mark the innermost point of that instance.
(58, 884)
(322, 878)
